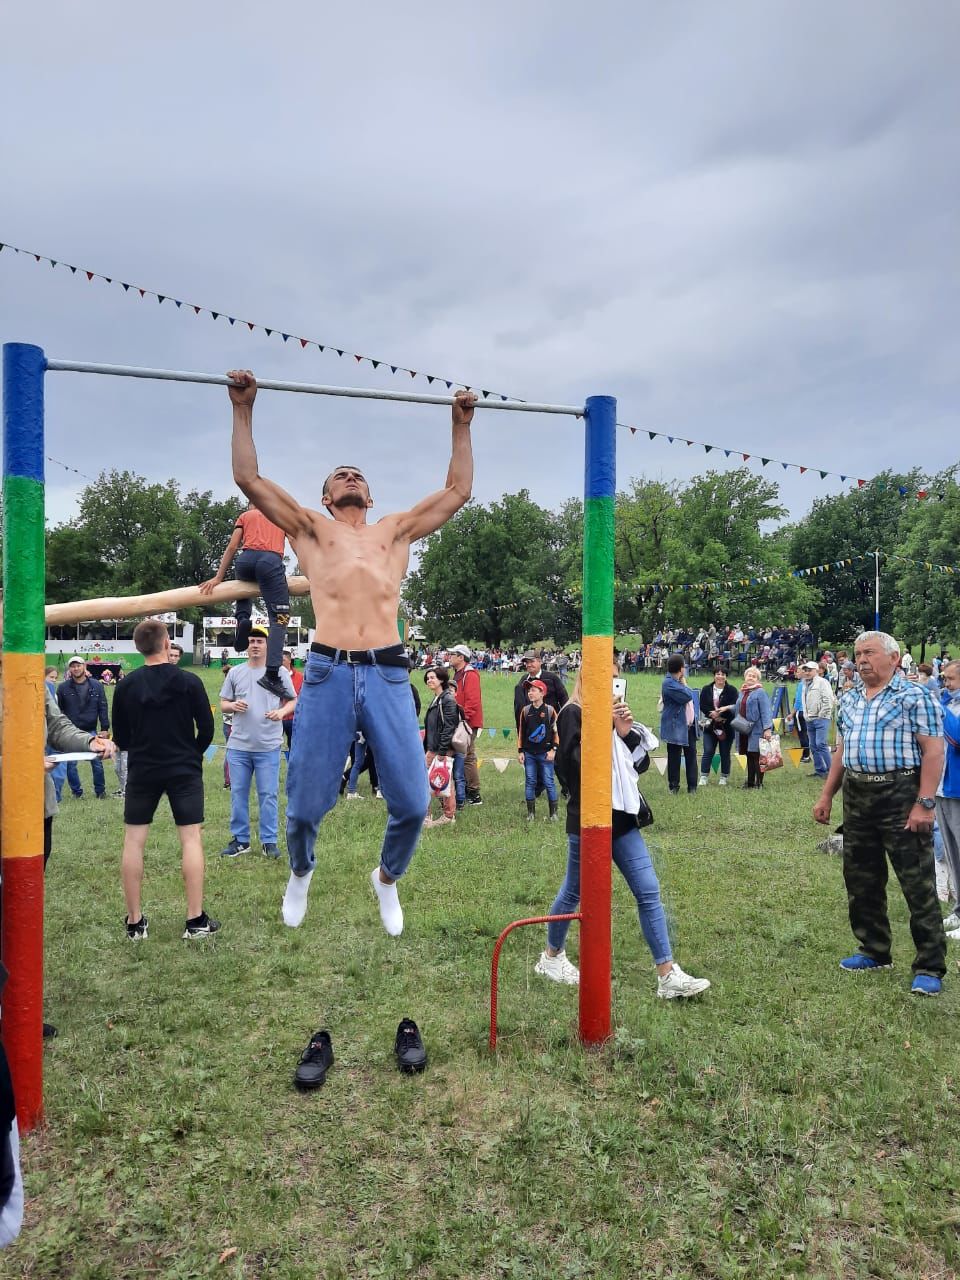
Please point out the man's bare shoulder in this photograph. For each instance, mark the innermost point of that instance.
(315, 522)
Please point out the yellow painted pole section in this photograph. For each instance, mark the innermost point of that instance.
(24, 735)
(596, 754)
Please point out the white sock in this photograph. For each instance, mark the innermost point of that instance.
(294, 905)
(391, 912)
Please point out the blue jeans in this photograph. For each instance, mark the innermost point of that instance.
(264, 768)
(538, 769)
(265, 568)
(59, 775)
(73, 778)
(459, 780)
(359, 760)
(336, 700)
(817, 733)
(631, 856)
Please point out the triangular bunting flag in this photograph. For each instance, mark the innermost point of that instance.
(660, 764)
(715, 764)
(742, 761)
(795, 753)
(500, 764)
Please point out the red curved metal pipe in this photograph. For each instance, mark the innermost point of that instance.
(573, 915)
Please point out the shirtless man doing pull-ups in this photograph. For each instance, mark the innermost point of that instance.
(357, 678)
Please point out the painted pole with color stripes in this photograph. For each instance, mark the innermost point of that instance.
(596, 783)
(21, 807)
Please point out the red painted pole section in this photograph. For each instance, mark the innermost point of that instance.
(23, 994)
(595, 951)
(575, 915)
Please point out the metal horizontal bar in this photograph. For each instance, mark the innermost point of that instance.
(306, 388)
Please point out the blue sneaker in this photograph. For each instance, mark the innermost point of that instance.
(924, 985)
(859, 963)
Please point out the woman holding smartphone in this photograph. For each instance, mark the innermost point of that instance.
(629, 746)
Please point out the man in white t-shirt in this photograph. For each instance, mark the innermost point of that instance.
(254, 750)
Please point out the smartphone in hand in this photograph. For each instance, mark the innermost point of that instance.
(619, 689)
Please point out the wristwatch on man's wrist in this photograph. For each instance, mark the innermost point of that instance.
(927, 802)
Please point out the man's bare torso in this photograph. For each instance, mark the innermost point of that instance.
(355, 574)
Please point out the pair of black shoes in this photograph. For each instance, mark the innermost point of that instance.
(317, 1058)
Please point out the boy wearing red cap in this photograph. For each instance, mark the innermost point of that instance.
(537, 747)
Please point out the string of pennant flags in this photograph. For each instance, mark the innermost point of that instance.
(718, 585)
(809, 572)
(251, 325)
(378, 362)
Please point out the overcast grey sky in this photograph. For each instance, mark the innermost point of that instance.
(739, 218)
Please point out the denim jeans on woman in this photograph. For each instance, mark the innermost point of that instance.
(710, 745)
(263, 767)
(336, 700)
(631, 855)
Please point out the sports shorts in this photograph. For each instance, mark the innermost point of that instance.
(184, 792)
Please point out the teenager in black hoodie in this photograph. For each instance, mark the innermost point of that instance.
(162, 718)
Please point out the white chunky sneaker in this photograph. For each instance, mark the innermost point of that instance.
(723, 781)
(703, 780)
(558, 968)
(952, 921)
(677, 983)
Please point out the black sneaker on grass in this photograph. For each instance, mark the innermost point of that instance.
(200, 926)
(271, 851)
(274, 685)
(476, 798)
(315, 1061)
(234, 848)
(411, 1055)
(136, 932)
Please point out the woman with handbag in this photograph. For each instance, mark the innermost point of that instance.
(718, 702)
(630, 743)
(440, 722)
(753, 721)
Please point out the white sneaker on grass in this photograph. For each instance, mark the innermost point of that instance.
(558, 968)
(954, 934)
(677, 983)
(952, 921)
(723, 781)
(703, 780)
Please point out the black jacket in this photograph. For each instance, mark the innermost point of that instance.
(84, 703)
(567, 765)
(162, 717)
(556, 695)
(443, 715)
(728, 698)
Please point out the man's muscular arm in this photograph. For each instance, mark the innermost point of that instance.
(435, 510)
(275, 503)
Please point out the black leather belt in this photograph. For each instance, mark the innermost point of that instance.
(883, 777)
(392, 655)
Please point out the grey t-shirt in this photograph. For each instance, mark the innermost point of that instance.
(252, 731)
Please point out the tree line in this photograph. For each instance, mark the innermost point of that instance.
(510, 572)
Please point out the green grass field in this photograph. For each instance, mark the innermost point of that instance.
(795, 1121)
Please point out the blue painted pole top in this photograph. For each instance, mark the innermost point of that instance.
(23, 370)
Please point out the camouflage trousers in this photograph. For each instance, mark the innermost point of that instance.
(874, 814)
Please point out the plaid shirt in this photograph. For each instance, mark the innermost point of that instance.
(880, 733)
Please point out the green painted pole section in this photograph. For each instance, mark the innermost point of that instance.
(598, 549)
(23, 566)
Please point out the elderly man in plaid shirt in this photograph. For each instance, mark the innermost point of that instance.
(889, 759)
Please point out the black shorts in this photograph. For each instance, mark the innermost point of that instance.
(185, 794)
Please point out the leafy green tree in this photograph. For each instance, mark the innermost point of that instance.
(494, 573)
(706, 532)
(928, 600)
(132, 536)
(850, 526)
